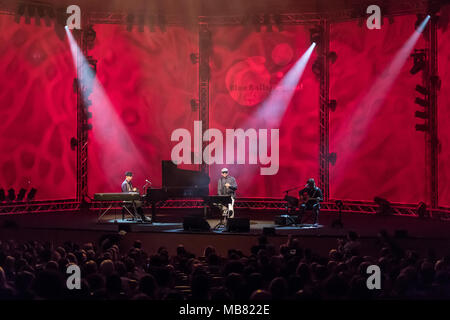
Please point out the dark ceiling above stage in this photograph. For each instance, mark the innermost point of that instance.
(228, 7)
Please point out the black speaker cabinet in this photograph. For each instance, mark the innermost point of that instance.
(238, 225)
(195, 223)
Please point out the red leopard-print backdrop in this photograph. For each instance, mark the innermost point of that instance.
(37, 110)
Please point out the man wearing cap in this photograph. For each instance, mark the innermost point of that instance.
(311, 195)
(127, 186)
(227, 186)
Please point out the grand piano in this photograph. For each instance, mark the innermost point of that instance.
(176, 184)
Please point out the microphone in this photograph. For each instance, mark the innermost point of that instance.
(147, 181)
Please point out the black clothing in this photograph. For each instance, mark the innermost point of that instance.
(224, 191)
(313, 205)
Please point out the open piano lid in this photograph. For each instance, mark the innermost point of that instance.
(184, 183)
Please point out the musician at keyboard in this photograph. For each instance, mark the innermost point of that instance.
(136, 205)
(227, 186)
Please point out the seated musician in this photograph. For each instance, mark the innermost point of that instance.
(227, 186)
(127, 186)
(311, 196)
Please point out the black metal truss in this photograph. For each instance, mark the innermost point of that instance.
(40, 206)
(204, 46)
(324, 121)
(269, 205)
(82, 122)
(432, 134)
(276, 204)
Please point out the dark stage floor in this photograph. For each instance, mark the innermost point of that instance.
(168, 231)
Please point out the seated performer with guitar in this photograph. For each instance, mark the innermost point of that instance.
(310, 198)
(136, 206)
(227, 186)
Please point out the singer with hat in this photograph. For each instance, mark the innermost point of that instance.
(227, 186)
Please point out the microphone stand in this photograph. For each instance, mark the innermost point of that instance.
(287, 205)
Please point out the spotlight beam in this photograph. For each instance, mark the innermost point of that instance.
(367, 108)
(114, 146)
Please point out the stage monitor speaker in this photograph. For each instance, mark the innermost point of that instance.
(286, 220)
(238, 225)
(195, 223)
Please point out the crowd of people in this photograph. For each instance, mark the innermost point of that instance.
(36, 270)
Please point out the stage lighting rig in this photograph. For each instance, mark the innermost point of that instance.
(73, 143)
(316, 35)
(332, 104)
(11, 195)
(21, 194)
(278, 22)
(31, 194)
(317, 68)
(332, 157)
(421, 102)
(419, 57)
(194, 105)
(130, 21)
(194, 58)
(256, 22)
(31, 12)
(422, 127)
(89, 36)
(162, 22)
(332, 57)
(141, 23)
(20, 12)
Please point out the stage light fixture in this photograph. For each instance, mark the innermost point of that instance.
(421, 102)
(11, 194)
(422, 210)
(19, 13)
(316, 34)
(419, 61)
(31, 194)
(73, 143)
(421, 89)
(130, 21)
(332, 157)
(436, 81)
(90, 34)
(49, 16)
(162, 22)
(141, 23)
(2, 195)
(421, 127)
(421, 114)
(256, 23)
(29, 12)
(332, 56)
(317, 68)
(194, 58)
(21, 194)
(152, 23)
(41, 11)
(332, 105)
(385, 207)
(194, 105)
